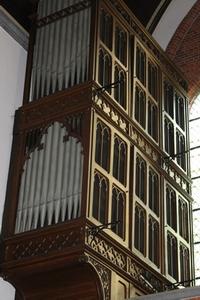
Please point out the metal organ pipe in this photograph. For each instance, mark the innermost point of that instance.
(32, 187)
(51, 181)
(58, 172)
(45, 176)
(54, 60)
(61, 51)
(65, 176)
(45, 54)
(62, 47)
(68, 50)
(40, 46)
(39, 184)
(50, 34)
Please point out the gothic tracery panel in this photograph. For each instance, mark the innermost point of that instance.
(51, 180)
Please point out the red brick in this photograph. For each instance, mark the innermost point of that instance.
(184, 49)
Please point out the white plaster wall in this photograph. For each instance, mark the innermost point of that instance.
(170, 20)
(12, 73)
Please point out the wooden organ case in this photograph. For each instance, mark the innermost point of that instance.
(98, 200)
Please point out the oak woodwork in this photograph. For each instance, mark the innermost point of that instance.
(69, 260)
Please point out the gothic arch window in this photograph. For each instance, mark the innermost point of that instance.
(121, 44)
(141, 65)
(153, 120)
(101, 67)
(105, 69)
(140, 106)
(174, 123)
(152, 79)
(140, 223)
(172, 256)
(183, 219)
(169, 137)
(180, 150)
(195, 174)
(184, 265)
(102, 153)
(120, 88)
(118, 212)
(106, 28)
(171, 207)
(169, 98)
(153, 192)
(120, 160)
(180, 111)
(154, 241)
(100, 198)
(140, 182)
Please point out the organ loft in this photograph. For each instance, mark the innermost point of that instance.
(98, 199)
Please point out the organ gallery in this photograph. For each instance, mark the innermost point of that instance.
(98, 200)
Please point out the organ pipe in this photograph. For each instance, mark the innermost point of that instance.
(51, 182)
(61, 51)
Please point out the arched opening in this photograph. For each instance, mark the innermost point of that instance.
(83, 281)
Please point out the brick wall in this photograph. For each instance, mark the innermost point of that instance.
(184, 49)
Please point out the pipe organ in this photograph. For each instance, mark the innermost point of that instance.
(50, 187)
(98, 201)
(62, 47)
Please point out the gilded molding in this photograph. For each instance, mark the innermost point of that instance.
(140, 141)
(106, 250)
(111, 112)
(180, 180)
(144, 145)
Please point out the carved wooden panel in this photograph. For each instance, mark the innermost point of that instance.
(126, 262)
(37, 118)
(152, 151)
(64, 13)
(108, 251)
(105, 275)
(54, 107)
(44, 243)
(109, 110)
